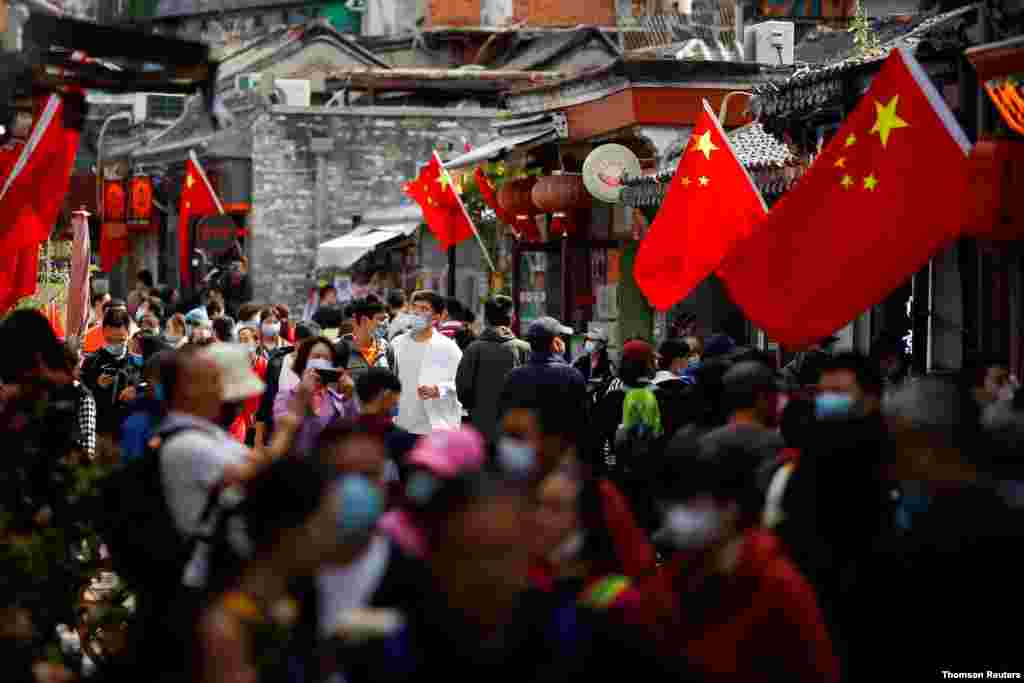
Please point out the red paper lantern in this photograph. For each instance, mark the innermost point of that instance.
(114, 202)
(140, 204)
(515, 198)
(561, 193)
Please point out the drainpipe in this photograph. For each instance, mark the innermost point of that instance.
(321, 147)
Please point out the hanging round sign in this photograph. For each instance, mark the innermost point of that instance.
(605, 170)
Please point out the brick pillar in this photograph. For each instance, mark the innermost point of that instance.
(562, 13)
(455, 12)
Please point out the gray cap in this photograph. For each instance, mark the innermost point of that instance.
(929, 403)
(597, 335)
(546, 327)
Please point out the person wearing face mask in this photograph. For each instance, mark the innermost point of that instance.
(728, 597)
(486, 363)
(844, 467)
(426, 362)
(325, 379)
(111, 374)
(369, 345)
(573, 551)
(595, 364)
(546, 377)
(271, 341)
(176, 331)
(379, 392)
(677, 397)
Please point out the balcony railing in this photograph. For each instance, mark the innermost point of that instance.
(707, 20)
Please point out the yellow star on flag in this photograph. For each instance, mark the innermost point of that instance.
(846, 182)
(684, 180)
(870, 182)
(704, 180)
(841, 162)
(886, 119)
(851, 140)
(444, 180)
(190, 181)
(705, 145)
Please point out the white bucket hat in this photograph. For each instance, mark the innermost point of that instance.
(237, 376)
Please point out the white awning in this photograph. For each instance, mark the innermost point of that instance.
(342, 252)
(495, 148)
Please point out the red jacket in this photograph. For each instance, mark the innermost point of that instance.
(762, 624)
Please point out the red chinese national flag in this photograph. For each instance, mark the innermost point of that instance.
(197, 199)
(711, 204)
(442, 207)
(887, 193)
(33, 187)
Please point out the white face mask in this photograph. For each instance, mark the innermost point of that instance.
(421, 322)
(569, 549)
(689, 527)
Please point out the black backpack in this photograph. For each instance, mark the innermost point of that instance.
(136, 524)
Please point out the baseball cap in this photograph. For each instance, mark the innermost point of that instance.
(239, 380)
(598, 336)
(547, 327)
(637, 350)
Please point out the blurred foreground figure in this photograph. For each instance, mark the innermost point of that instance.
(948, 575)
(41, 516)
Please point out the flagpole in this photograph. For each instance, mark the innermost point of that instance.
(206, 181)
(476, 233)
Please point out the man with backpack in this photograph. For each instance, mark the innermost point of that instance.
(487, 362)
(162, 503)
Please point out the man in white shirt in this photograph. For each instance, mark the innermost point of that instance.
(427, 364)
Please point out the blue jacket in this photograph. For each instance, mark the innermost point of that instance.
(145, 414)
(550, 385)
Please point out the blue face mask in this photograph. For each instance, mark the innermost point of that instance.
(832, 405)
(158, 392)
(517, 457)
(360, 506)
(393, 413)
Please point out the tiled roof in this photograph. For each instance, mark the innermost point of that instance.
(540, 50)
(815, 85)
(256, 52)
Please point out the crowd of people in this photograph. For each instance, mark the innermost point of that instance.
(394, 491)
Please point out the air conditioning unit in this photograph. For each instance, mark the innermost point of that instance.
(770, 43)
(158, 107)
(295, 92)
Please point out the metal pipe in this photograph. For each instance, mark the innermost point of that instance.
(725, 103)
(125, 115)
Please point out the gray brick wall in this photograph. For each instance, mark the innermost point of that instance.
(375, 153)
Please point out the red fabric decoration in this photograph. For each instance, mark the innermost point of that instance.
(442, 207)
(710, 206)
(633, 549)
(112, 248)
(888, 192)
(197, 199)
